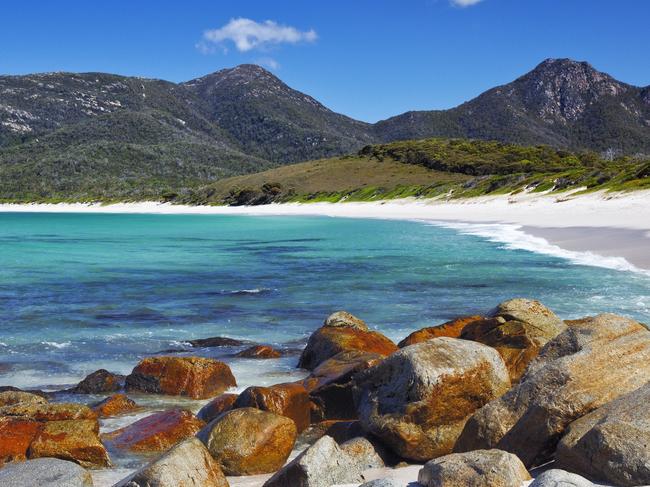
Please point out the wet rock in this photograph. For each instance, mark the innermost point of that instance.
(99, 382)
(195, 377)
(50, 472)
(363, 453)
(450, 329)
(218, 405)
(588, 365)
(611, 444)
(16, 435)
(259, 352)
(114, 405)
(249, 441)
(48, 411)
(73, 440)
(188, 464)
(10, 398)
(155, 433)
(418, 399)
(345, 320)
(216, 342)
(560, 478)
(290, 400)
(321, 465)
(481, 468)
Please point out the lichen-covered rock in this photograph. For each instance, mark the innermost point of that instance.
(42, 472)
(345, 320)
(418, 399)
(363, 453)
(532, 312)
(330, 340)
(612, 443)
(218, 405)
(48, 411)
(195, 377)
(16, 434)
(259, 352)
(450, 329)
(588, 365)
(290, 400)
(321, 465)
(481, 468)
(249, 441)
(114, 405)
(188, 464)
(73, 440)
(10, 398)
(99, 382)
(560, 478)
(155, 433)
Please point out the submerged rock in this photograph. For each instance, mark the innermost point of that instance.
(114, 405)
(188, 464)
(259, 352)
(50, 472)
(418, 399)
(450, 329)
(216, 342)
(249, 441)
(195, 377)
(99, 382)
(560, 478)
(612, 443)
(481, 468)
(290, 400)
(155, 433)
(218, 405)
(588, 365)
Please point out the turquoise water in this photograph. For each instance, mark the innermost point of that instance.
(83, 291)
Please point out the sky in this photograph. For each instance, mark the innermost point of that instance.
(369, 59)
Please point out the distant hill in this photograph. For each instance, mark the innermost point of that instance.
(95, 135)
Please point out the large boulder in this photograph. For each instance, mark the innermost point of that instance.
(342, 334)
(99, 382)
(418, 399)
(195, 377)
(481, 468)
(330, 385)
(218, 405)
(73, 440)
(259, 352)
(188, 464)
(16, 434)
(363, 453)
(50, 472)
(290, 400)
(560, 478)
(249, 441)
(321, 465)
(450, 329)
(114, 405)
(612, 443)
(155, 433)
(590, 364)
(10, 398)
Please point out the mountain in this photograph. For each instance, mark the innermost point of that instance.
(562, 103)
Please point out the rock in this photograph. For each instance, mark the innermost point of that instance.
(418, 399)
(216, 342)
(10, 398)
(99, 382)
(49, 472)
(321, 465)
(249, 441)
(330, 384)
(560, 478)
(260, 352)
(451, 329)
(386, 482)
(328, 341)
(290, 400)
(532, 312)
(188, 464)
(48, 411)
(340, 431)
(155, 433)
(588, 365)
(218, 405)
(611, 444)
(343, 319)
(195, 377)
(16, 435)
(73, 440)
(114, 405)
(481, 468)
(363, 453)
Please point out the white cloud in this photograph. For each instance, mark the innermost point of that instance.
(246, 34)
(464, 3)
(268, 62)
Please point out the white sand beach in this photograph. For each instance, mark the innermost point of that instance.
(604, 229)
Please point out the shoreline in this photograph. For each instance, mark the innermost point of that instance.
(601, 229)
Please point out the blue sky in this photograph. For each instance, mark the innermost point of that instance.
(369, 59)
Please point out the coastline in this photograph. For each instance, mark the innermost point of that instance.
(603, 229)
